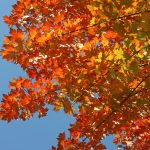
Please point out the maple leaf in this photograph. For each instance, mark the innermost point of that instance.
(7, 19)
(118, 52)
(67, 107)
(90, 58)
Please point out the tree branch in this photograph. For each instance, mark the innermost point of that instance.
(115, 110)
(113, 19)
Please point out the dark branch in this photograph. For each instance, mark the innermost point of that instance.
(125, 100)
(113, 19)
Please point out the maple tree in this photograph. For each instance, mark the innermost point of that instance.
(89, 57)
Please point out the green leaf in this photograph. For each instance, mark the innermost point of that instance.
(134, 67)
(119, 28)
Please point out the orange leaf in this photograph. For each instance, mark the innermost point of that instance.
(25, 101)
(26, 83)
(67, 107)
(58, 72)
(7, 19)
(32, 32)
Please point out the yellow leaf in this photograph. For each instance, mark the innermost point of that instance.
(99, 59)
(128, 10)
(79, 81)
(58, 105)
(105, 41)
(140, 55)
(103, 25)
(77, 21)
(93, 21)
(92, 9)
(59, 32)
(110, 56)
(118, 52)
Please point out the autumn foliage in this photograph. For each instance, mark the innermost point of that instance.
(88, 57)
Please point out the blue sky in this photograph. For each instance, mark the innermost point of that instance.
(34, 134)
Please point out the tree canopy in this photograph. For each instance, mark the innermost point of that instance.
(88, 57)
